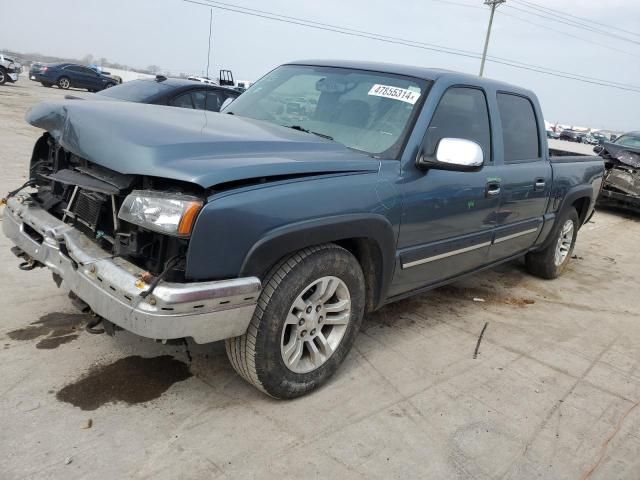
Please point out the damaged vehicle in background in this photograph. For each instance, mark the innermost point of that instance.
(9, 69)
(276, 229)
(621, 185)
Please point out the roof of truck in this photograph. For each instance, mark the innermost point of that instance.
(412, 71)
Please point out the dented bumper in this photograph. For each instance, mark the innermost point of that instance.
(205, 311)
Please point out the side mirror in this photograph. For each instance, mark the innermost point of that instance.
(454, 154)
(597, 149)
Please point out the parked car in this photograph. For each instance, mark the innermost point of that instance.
(9, 69)
(571, 136)
(66, 75)
(621, 187)
(206, 80)
(100, 70)
(174, 92)
(553, 135)
(278, 236)
(590, 139)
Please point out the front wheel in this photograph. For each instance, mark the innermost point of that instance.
(551, 262)
(3, 76)
(305, 323)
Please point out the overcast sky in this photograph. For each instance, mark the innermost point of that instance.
(173, 34)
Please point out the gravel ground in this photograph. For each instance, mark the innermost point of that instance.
(551, 395)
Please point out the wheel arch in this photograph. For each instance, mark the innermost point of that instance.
(369, 237)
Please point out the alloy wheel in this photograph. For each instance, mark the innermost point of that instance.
(315, 325)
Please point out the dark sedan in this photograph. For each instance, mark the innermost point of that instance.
(174, 92)
(572, 136)
(66, 75)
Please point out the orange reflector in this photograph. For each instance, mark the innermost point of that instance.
(188, 218)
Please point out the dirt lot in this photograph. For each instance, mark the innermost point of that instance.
(551, 395)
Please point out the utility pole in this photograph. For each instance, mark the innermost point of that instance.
(209, 51)
(494, 4)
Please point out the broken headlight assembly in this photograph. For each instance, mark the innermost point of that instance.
(168, 213)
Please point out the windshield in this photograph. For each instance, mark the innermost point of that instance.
(367, 111)
(135, 90)
(628, 141)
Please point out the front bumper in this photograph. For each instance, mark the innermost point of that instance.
(205, 311)
(13, 76)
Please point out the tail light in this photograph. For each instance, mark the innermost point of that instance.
(44, 69)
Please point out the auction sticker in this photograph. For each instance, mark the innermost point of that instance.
(396, 93)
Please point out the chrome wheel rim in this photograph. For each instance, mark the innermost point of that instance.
(64, 83)
(564, 243)
(315, 324)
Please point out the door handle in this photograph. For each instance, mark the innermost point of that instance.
(539, 184)
(492, 189)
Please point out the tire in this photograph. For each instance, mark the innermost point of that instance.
(3, 76)
(552, 261)
(259, 355)
(63, 83)
(109, 85)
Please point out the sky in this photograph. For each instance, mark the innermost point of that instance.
(173, 34)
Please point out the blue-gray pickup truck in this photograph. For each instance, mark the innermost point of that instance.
(324, 192)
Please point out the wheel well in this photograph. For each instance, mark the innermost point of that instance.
(369, 255)
(582, 207)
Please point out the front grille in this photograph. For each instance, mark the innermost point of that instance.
(88, 207)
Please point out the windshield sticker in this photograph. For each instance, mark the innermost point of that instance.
(396, 93)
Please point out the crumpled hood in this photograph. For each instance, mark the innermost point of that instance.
(194, 146)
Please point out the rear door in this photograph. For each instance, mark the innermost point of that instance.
(525, 176)
(448, 216)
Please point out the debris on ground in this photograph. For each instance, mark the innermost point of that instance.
(87, 424)
(68, 460)
(475, 353)
(478, 299)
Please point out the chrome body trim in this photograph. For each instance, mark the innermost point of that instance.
(445, 255)
(206, 311)
(516, 235)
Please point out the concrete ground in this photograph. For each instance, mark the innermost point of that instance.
(552, 394)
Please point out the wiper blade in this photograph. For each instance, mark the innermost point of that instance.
(306, 130)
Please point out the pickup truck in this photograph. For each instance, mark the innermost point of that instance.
(276, 230)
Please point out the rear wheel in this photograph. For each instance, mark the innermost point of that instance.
(551, 262)
(3, 76)
(305, 323)
(63, 82)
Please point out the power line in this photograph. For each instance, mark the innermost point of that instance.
(588, 20)
(410, 43)
(546, 27)
(572, 23)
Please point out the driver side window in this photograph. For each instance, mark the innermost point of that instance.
(461, 113)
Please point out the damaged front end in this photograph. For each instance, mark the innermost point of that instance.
(621, 185)
(89, 197)
(119, 243)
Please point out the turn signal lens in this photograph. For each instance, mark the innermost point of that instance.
(189, 218)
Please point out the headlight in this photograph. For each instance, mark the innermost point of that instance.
(168, 213)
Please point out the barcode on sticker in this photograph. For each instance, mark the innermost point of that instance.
(396, 93)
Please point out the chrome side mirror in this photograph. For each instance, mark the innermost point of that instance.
(454, 154)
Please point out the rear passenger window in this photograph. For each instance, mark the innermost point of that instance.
(183, 101)
(519, 128)
(461, 113)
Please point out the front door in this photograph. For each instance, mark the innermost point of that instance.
(448, 217)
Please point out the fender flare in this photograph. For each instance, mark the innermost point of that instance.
(282, 241)
(575, 193)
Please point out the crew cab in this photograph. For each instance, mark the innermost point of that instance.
(275, 229)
